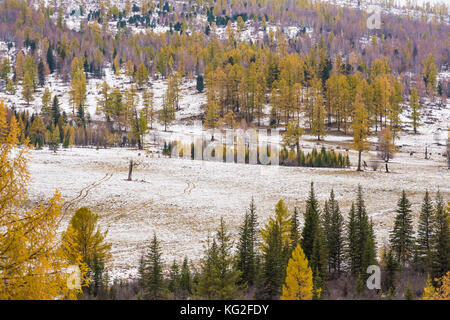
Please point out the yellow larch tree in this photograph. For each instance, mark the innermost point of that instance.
(299, 280)
(360, 126)
(283, 219)
(32, 264)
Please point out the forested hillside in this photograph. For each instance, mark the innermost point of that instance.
(102, 104)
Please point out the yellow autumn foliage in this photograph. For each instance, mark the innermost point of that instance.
(299, 280)
(32, 262)
(442, 292)
(283, 219)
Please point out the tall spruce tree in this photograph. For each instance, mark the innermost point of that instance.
(273, 266)
(425, 233)
(248, 245)
(314, 243)
(319, 261)
(360, 237)
(41, 74)
(392, 266)
(55, 109)
(295, 230)
(441, 239)
(402, 236)
(333, 226)
(219, 279)
(311, 223)
(151, 273)
(276, 236)
(186, 285)
(174, 279)
(352, 240)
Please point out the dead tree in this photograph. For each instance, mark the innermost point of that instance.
(132, 165)
(130, 171)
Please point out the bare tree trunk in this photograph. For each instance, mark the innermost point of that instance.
(130, 170)
(359, 161)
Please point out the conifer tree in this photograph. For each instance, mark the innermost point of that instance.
(27, 88)
(5, 69)
(283, 219)
(20, 64)
(292, 135)
(37, 132)
(247, 260)
(200, 84)
(54, 139)
(77, 86)
(41, 74)
(174, 279)
(88, 239)
(295, 230)
(402, 236)
(392, 266)
(441, 239)
(186, 282)
(167, 113)
(273, 268)
(212, 117)
(56, 113)
(10, 87)
(151, 272)
(83, 237)
(425, 232)
(299, 283)
(319, 262)
(333, 227)
(311, 223)
(429, 292)
(318, 117)
(386, 146)
(360, 127)
(352, 240)
(30, 244)
(148, 111)
(430, 73)
(141, 75)
(409, 295)
(360, 237)
(46, 110)
(219, 279)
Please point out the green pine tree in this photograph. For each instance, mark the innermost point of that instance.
(402, 236)
(174, 279)
(151, 273)
(219, 279)
(273, 267)
(425, 233)
(441, 239)
(186, 282)
(295, 230)
(247, 246)
(333, 227)
(311, 223)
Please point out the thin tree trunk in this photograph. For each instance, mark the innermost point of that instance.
(130, 171)
(359, 160)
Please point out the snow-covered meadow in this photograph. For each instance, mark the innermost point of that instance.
(182, 200)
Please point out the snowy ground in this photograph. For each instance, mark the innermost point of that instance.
(182, 200)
